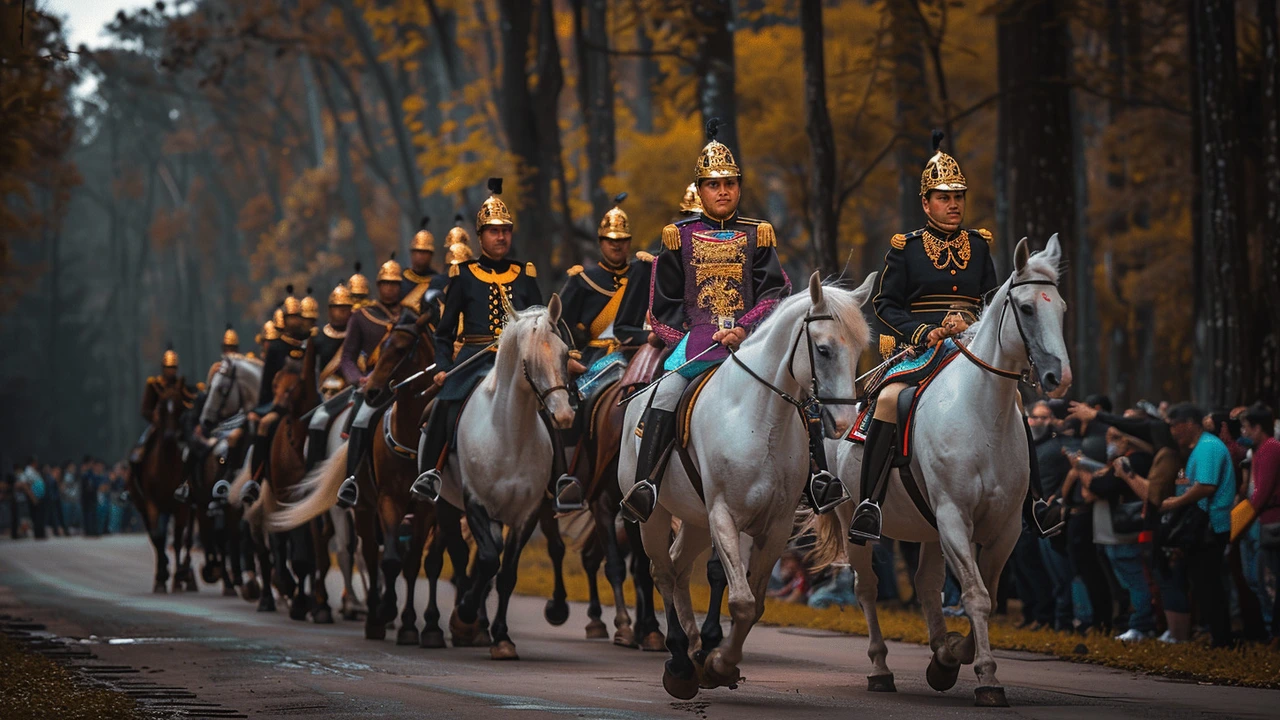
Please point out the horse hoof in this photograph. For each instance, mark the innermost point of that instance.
(191, 586)
(503, 650)
(678, 687)
(990, 696)
(711, 677)
(596, 630)
(408, 635)
(556, 612)
(625, 637)
(322, 615)
(350, 615)
(941, 677)
(464, 634)
(266, 604)
(298, 611)
(432, 639)
(483, 639)
(376, 631)
(251, 590)
(210, 573)
(229, 591)
(159, 588)
(881, 683)
(654, 642)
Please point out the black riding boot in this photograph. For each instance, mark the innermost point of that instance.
(1047, 520)
(824, 491)
(427, 486)
(877, 453)
(252, 489)
(349, 491)
(316, 447)
(655, 447)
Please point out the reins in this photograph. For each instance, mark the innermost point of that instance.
(1030, 376)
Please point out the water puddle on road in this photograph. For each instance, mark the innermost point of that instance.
(338, 667)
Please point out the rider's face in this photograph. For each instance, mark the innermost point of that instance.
(495, 241)
(389, 292)
(944, 208)
(295, 325)
(169, 373)
(421, 260)
(615, 252)
(339, 315)
(720, 196)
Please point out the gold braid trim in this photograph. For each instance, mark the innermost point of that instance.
(899, 241)
(530, 270)
(453, 271)
(643, 256)
(986, 235)
(671, 237)
(765, 236)
(575, 270)
(887, 343)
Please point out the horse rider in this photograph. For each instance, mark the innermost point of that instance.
(270, 333)
(289, 346)
(477, 300)
(310, 313)
(422, 288)
(718, 277)
(359, 286)
(369, 326)
(328, 355)
(230, 346)
(931, 288)
(157, 386)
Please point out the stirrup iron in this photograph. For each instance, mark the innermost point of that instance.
(221, 491)
(250, 493)
(1039, 507)
(348, 493)
(568, 494)
(819, 490)
(182, 493)
(632, 509)
(427, 487)
(866, 509)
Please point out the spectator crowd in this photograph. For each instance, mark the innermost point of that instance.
(38, 500)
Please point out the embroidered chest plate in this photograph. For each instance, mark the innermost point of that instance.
(943, 253)
(718, 257)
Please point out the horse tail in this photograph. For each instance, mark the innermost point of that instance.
(829, 539)
(237, 485)
(318, 490)
(257, 513)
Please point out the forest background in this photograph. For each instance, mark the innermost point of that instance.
(209, 152)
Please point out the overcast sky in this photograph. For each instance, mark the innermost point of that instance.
(86, 18)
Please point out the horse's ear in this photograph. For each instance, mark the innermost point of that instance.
(815, 289)
(1052, 250)
(863, 293)
(1021, 255)
(554, 309)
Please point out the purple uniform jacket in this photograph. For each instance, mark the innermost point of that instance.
(368, 326)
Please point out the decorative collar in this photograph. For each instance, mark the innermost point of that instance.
(335, 333)
(619, 271)
(718, 223)
(489, 263)
(289, 340)
(412, 276)
(940, 233)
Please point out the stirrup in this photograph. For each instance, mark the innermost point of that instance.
(568, 494)
(1040, 507)
(250, 493)
(641, 492)
(819, 486)
(221, 491)
(182, 493)
(866, 509)
(348, 493)
(427, 487)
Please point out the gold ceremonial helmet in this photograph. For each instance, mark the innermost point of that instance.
(458, 253)
(340, 296)
(692, 202)
(942, 172)
(358, 284)
(310, 308)
(715, 160)
(424, 240)
(391, 271)
(170, 359)
(615, 225)
(277, 319)
(230, 338)
(292, 306)
(457, 233)
(270, 331)
(493, 211)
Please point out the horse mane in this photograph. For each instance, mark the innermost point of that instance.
(1037, 264)
(244, 358)
(515, 334)
(839, 302)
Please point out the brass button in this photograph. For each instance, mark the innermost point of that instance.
(953, 272)
(954, 288)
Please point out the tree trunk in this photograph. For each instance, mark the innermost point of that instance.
(595, 95)
(716, 68)
(646, 74)
(1269, 372)
(822, 144)
(911, 108)
(1221, 364)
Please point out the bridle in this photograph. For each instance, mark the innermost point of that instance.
(812, 404)
(230, 375)
(542, 395)
(412, 329)
(1031, 376)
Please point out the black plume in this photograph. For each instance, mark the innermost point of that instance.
(617, 199)
(495, 186)
(308, 289)
(357, 266)
(457, 219)
(393, 255)
(229, 326)
(425, 220)
(713, 128)
(937, 139)
(168, 345)
(288, 289)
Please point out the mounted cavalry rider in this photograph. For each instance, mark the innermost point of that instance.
(157, 386)
(310, 313)
(718, 278)
(288, 347)
(931, 288)
(359, 286)
(328, 354)
(422, 288)
(369, 326)
(230, 346)
(480, 294)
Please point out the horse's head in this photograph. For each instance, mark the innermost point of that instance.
(543, 357)
(835, 333)
(221, 400)
(169, 411)
(407, 349)
(286, 387)
(1037, 310)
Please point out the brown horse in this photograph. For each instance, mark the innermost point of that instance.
(154, 481)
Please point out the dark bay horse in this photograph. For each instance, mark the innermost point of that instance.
(157, 476)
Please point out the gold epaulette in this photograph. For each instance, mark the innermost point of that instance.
(765, 236)
(530, 270)
(899, 241)
(887, 344)
(314, 330)
(986, 235)
(575, 270)
(644, 256)
(200, 387)
(671, 237)
(453, 271)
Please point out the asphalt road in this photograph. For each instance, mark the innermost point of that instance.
(229, 660)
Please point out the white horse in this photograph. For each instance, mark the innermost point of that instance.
(970, 456)
(751, 449)
(500, 473)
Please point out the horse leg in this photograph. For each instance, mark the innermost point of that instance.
(464, 624)
(303, 562)
(944, 666)
(374, 628)
(155, 532)
(647, 631)
(615, 570)
(446, 523)
(592, 555)
(712, 633)
(956, 534)
(266, 548)
(557, 610)
(408, 634)
(746, 590)
(344, 531)
(321, 533)
(679, 677)
(866, 585)
(991, 561)
(517, 537)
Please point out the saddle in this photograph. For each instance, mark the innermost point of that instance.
(684, 416)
